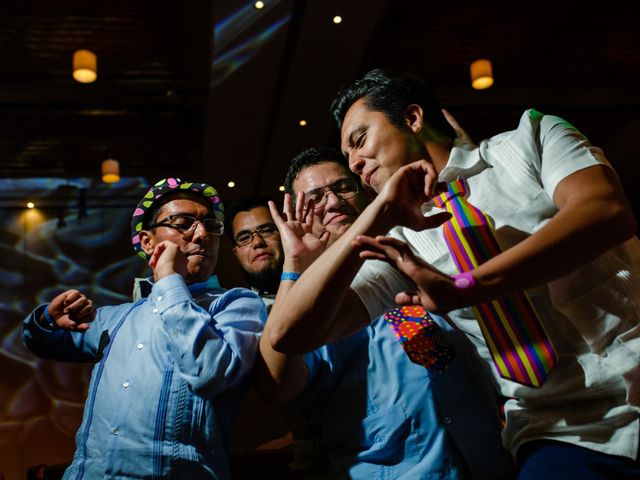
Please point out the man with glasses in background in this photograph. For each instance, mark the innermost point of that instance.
(379, 415)
(256, 245)
(171, 368)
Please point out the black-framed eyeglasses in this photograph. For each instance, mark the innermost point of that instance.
(245, 237)
(345, 188)
(187, 224)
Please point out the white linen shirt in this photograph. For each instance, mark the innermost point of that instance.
(592, 315)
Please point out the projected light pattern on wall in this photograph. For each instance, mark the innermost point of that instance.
(41, 401)
(235, 45)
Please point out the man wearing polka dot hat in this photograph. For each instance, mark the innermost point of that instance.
(171, 368)
(201, 250)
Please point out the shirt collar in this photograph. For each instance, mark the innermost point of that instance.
(201, 287)
(262, 293)
(464, 160)
(143, 286)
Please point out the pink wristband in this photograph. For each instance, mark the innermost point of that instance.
(464, 280)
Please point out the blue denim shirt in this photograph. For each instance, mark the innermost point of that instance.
(384, 417)
(169, 376)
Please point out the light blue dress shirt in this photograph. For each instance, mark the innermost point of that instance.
(384, 417)
(170, 372)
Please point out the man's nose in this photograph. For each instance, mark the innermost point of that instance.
(333, 200)
(356, 163)
(200, 233)
(257, 241)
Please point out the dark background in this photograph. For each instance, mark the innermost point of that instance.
(213, 91)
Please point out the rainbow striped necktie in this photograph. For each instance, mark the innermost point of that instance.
(520, 347)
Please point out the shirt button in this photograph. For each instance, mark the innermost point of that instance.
(140, 346)
(155, 310)
(604, 354)
(126, 384)
(159, 298)
(448, 420)
(116, 431)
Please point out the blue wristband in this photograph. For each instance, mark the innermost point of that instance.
(290, 276)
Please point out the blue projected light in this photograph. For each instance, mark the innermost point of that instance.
(42, 400)
(230, 55)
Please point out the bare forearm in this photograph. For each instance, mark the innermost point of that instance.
(278, 378)
(307, 317)
(584, 228)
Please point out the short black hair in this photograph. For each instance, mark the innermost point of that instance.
(391, 93)
(314, 156)
(243, 205)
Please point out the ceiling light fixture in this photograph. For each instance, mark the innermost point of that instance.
(281, 188)
(302, 123)
(258, 5)
(110, 170)
(231, 184)
(31, 205)
(337, 19)
(85, 66)
(481, 74)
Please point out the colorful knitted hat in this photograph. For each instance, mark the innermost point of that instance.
(164, 186)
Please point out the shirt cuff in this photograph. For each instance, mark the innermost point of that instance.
(44, 323)
(168, 292)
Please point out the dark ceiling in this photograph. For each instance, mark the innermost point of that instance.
(152, 61)
(214, 90)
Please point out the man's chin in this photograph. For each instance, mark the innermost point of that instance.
(262, 264)
(265, 279)
(199, 269)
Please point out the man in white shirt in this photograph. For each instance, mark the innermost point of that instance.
(567, 234)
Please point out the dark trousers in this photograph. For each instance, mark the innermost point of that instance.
(550, 460)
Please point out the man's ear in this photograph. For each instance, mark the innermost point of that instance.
(413, 117)
(147, 242)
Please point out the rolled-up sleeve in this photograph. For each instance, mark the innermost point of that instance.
(563, 150)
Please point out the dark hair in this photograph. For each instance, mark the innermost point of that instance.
(242, 205)
(391, 93)
(314, 156)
